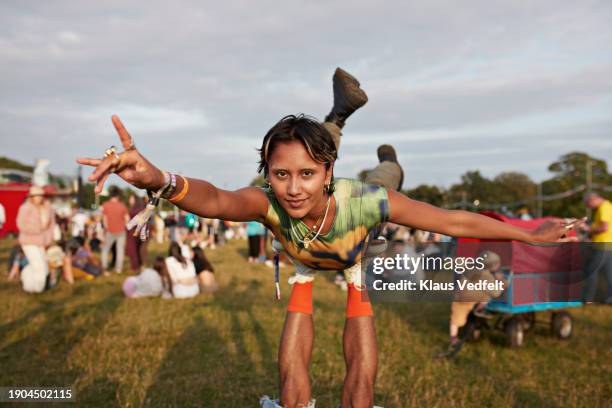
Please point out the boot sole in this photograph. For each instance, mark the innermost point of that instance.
(351, 85)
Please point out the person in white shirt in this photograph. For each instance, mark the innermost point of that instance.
(79, 221)
(182, 273)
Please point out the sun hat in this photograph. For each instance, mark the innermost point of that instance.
(36, 191)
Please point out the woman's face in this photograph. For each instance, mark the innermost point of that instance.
(296, 179)
(37, 199)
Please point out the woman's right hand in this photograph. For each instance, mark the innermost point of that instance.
(130, 165)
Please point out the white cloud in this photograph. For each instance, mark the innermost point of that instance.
(152, 118)
(213, 77)
(69, 37)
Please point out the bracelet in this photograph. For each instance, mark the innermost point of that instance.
(170, 186)
(183, 192)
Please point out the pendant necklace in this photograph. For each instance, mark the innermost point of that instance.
(306, 241)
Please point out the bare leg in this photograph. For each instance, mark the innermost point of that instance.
(294, 359)
(361, 356)
(67, 270)
(14, 273)
(453, 331)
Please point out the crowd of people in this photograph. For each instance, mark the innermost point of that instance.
(85, 245)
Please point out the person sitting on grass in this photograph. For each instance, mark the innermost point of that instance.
(17, 261)
(181, 272)
(55, 261)
(473, 301)
(151, 282)
(322, 222)
(79, 262)
(204, 270)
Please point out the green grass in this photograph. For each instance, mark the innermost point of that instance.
(220, 351)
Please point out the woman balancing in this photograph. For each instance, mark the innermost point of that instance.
(322, 223)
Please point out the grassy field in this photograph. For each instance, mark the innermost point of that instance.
(220, 350)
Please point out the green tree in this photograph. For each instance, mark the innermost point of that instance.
(515, 187)
(474, 187)
(88, 195)
(6, 163)
(569, 172)
(430, 194)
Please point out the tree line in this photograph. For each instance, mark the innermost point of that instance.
(572, 175)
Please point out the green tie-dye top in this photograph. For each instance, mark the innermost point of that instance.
(360, 208)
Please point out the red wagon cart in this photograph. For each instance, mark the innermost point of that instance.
(540, 278)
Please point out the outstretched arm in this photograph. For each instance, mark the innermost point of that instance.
(208, 201)
(457, 223)
(202, 198)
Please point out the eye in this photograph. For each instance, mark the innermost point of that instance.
(281, 174)
(307, 173)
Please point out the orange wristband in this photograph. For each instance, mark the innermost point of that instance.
(183, 192)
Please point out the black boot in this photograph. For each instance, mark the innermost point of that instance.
(348, 97)
(386, 153)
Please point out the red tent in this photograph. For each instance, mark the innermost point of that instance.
(12, 195)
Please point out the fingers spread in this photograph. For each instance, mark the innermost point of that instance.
(103, 168)
(126, 139)
(89, 161)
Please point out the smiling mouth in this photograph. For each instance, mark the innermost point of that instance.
(295, 203)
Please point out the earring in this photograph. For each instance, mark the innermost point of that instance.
(326, 188)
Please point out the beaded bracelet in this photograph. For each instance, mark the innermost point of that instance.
(170, 186)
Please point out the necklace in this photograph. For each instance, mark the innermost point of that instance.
(318, 220)
(306, 241)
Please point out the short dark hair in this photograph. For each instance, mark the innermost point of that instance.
(114, 191)
(591, 194)
(317, 141)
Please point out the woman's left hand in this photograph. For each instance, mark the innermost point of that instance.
(556, 230)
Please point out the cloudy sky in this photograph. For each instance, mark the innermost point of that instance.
(476, 86)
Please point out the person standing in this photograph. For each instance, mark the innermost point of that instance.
(159, 229)
(114, 217)
(35, 220)
(79, 222)
(136, 249)
(600, 258)
(171, 226)
(255, 233)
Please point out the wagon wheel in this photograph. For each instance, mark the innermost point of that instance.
(528, 321)
(472, 331)
(514, 332)
(561, 325)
